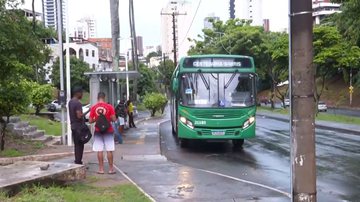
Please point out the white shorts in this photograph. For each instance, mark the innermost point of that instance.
(103, 141)
(121, 121)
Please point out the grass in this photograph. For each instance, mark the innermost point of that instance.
(320, 116)
(78, 192)
(16, 146)
(50, 127)
(11, 153)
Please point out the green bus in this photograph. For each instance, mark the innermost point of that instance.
(213, 98)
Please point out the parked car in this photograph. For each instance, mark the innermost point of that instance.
(322, 107)
(286, 102)
(54, 106)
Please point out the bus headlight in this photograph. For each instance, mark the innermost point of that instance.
(248, 122)
(187, 122)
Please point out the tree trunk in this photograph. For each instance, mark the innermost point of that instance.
(34, 15)
(115, 32)
(2, 138)
(272, 95)
(37, 110)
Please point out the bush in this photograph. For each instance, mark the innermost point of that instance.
(155, 102)
(40, 96)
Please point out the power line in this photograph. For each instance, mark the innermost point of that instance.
(192, 21)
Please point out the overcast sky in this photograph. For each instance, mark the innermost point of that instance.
(147, 15)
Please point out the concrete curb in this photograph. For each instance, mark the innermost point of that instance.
(40, 157)
(317, 125)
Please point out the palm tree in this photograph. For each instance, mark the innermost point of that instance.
(115, 32)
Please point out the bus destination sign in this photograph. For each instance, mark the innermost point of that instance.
(217, 63)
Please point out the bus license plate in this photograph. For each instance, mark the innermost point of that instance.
(218, 133)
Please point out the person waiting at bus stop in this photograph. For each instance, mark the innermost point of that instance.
(131, 114)
(121, 113)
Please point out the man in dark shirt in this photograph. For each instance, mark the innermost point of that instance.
(76, 120)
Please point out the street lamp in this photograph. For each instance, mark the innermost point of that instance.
(126, 67)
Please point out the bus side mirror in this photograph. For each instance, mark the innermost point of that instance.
(175, 85)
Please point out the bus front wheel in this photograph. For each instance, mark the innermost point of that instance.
(238, 143)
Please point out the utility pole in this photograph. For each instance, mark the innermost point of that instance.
(133, 44)
(61, 64)
(174, 14)
(302, 107)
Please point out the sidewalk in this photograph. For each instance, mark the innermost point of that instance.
(139, 159)
(326, 125)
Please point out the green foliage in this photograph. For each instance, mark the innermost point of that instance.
(332, 53)
(14, 97)
(78, 192)
(77, 70)
(152, 54)
(40, 96)
(166, 69)
(20, 44)
(155, 102)
(146, 83)
(11, 153)
(348, 21)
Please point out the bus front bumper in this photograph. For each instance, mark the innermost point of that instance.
(216, 134)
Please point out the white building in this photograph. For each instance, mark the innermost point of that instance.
(85, 28)
(183, 16)
(250, 10)
(50, 13)
(29, 15)
(154, 62)
(323, 8)
(150, 49)
(208, 24)
(87, 52)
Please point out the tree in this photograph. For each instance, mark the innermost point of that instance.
(155, 102)
(115, 32)
(40, 96)
(276, 53)
(18, 41)
(166, 70)
(14, 99)
(348, 20)
(77, 70)
(146, 83)
(331, 54)
(20, 50)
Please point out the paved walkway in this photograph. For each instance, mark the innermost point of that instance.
(139, 160)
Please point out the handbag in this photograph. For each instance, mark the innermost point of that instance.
(85, 133)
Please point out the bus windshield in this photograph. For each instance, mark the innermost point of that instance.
(217, 90)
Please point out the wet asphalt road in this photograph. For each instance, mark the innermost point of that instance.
(265, 159)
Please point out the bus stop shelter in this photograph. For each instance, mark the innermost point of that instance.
(109, 82)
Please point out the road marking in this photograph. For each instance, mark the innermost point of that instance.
(246, 181)
(134, 183)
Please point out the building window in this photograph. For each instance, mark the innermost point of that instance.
(93, 53)
(87, 53)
